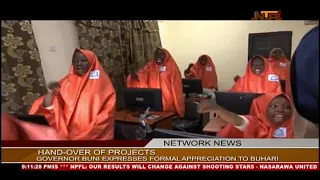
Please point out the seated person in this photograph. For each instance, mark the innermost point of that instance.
(14, 129)
(162, 72)
(187, 72)
(204, 69)
(270, 117)
(81, 106)
(258, 78)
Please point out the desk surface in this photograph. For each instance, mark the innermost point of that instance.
(126, 116)
(196, 99)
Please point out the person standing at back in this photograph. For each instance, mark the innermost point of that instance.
(205, 70)
(163, 73)
(279, 63)
(258, 78)
(281, 67)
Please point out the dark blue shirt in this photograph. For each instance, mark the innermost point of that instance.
(305, 76)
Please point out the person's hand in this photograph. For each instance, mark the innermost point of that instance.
(48, 98)
(190, 66)
(187, 71)
(53, 87)
(216, 124)
(134, 76)
(208, 92)
(207, 105)
(236, 78)
(133, 72)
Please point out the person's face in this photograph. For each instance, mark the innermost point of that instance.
(203, 60)
(80, 63)
(276, 54)
(257, 65)
(279, 110)
(159, 56)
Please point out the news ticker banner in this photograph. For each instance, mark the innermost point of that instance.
(168, 154)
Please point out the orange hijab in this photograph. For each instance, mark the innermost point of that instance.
(280, 67)
(141, 82)
(84, 107)
(259, 126)
(14, 129)
(207, 73)
(253, 83)
(167, 77)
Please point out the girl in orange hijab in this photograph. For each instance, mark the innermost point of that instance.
(162, 72)
(270, 117)
(81, 106)
(14, 129)
(205, 70)
(258, 78)
(281, 66)
(279, 63)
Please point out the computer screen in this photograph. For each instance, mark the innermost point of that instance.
(236, 102)
(192, 86)
(165, 133)
(142, 98)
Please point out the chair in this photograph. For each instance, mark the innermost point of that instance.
(192, 121)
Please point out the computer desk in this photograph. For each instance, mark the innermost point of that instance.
(164, 121)
(195, 98)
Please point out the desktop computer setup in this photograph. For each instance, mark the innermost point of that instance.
(139, 99)
(191, 86)
(142, 98)
(236, 102)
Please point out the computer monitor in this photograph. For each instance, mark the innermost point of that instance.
(165, 133)
(239, 103)
(140, 99)
(191, 86)
(37, 119)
